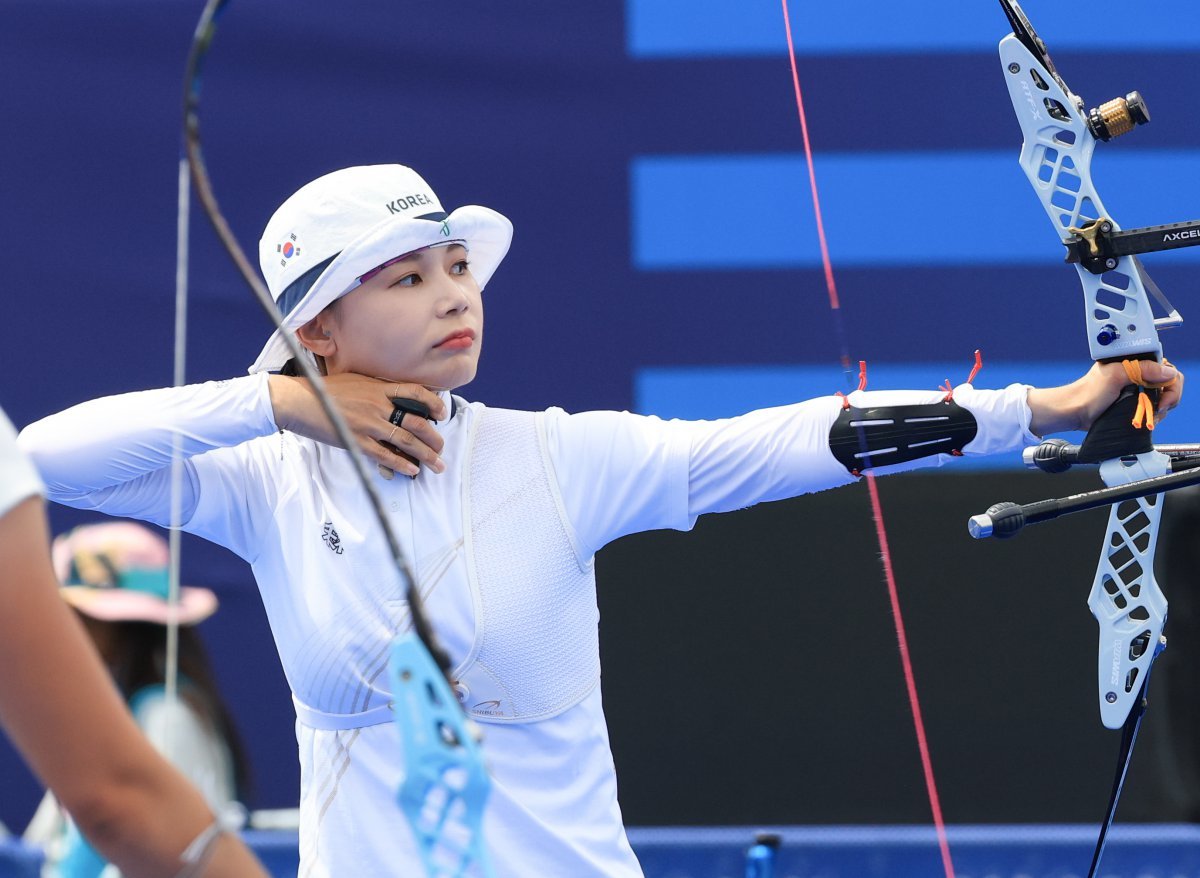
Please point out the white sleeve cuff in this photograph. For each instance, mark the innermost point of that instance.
(1002, 418)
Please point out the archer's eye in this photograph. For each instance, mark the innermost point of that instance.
(409, 280)
(460, 267)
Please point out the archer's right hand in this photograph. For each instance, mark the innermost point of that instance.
(366, 404)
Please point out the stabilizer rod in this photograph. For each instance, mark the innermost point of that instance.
(1005, 520)
(1058, 456)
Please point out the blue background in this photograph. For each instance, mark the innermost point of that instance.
(648, 153)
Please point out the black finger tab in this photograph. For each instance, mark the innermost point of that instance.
(402, 406)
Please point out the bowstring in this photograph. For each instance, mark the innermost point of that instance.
(201, 42)
(175, 518)
(872, 488)
(193, 165)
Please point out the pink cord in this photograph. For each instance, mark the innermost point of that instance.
(876, 507)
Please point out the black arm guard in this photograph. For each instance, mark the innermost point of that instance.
(864, 438)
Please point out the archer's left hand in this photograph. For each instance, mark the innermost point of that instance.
(1076, 405)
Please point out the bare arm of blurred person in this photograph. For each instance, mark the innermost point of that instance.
(60, 708)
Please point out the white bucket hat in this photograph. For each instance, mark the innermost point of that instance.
(335, 229)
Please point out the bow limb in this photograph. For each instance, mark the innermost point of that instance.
(1056, 157)
(205, 31)
(446, 784)
(1059, 141)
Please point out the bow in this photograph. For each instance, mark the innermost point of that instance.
(1060, 136)
(445, 782)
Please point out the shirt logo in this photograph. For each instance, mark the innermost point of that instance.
(331, 539)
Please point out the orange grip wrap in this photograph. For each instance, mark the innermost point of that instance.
(1145, 411)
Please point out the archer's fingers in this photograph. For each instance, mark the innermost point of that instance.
(422, 444)
(1158, 373)
(1170, 397)
(388, 460)
(419, 431)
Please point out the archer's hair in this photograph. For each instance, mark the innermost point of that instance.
(138, 660)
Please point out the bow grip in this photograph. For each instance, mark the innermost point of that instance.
(1113, 434)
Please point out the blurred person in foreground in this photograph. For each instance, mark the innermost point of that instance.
(60, 708)
(115, 576)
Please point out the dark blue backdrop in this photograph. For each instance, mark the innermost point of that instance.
(647, 154)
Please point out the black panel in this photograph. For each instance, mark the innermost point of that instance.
(751, 671)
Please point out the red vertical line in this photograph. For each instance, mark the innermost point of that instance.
(872, 489)
(910, 680)
(830, 286)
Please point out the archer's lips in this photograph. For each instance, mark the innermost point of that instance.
(460, 340)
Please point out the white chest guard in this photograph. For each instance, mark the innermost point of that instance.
(536, 650)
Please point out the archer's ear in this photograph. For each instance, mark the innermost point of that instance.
(315, 336)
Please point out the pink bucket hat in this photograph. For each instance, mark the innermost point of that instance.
(118, 572)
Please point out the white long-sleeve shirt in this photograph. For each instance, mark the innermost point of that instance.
(291, 507)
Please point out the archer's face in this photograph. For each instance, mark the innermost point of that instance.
(419, 319)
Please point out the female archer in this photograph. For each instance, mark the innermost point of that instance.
(501, 514)
(67, 720)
